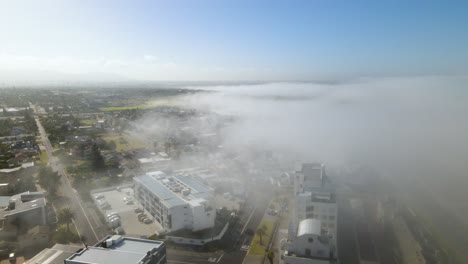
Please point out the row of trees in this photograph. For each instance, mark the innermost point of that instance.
(49, 180)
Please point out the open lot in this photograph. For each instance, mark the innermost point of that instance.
(124, 142)
(231, 203)
(129, 221)
(153, 103)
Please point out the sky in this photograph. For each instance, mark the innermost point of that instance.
(230, 40)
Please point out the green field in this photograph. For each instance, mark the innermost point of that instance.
(166, 101)
(257, 248)
(43, 157)
(124, 142)
(87, 122)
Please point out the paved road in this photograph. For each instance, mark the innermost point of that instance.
(81, 218)
(188, 257)
(347, 248)
(256, 206)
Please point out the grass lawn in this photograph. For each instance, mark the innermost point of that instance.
(64, 237)
(124, 142)
(256, 248)
(165, 101)
(44, 158)
(87, 122)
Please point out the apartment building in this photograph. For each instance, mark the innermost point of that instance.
(176, 201)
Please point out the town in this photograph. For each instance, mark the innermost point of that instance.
(137, 176)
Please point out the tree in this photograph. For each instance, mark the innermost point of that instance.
(261, 231)
(97, 161)
(271, 256)
(65, 216)
(111, 145)
(49, 180)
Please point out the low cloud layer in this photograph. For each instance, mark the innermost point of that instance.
(394, 123)
(405, 128)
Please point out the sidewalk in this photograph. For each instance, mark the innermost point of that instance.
(258, 259)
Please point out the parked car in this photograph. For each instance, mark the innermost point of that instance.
(110, 214)
(249, 232)
(147, 221)
(138, 210)
(141, 215)
(99, 197)
(125, 199)
(245, 248)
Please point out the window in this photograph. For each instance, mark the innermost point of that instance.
(331, 217)
(311, 240)
(310, 208)
(307, 252)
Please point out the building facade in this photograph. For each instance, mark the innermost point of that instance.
(27, 209)
(312, 236)
(176, 202)
(315, 198)
(309, 245)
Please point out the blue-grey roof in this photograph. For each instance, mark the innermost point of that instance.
(195, 185)
(129, 250)
(136, 245)
(105, 256)
(158, 189)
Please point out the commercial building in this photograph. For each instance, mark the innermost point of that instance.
(315, 198)
(110, 250)
(309, 245)
(118, 249)
(313, 228)
(176, 202)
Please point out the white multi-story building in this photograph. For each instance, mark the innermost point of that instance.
(309, 245)
(176, 202)
(316, 198)
(315, 210)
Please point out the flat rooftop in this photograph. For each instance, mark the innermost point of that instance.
(171, 188)
(23, 202)
(127, 250)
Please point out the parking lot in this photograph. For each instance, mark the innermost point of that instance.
(121, 202)
(226, 200)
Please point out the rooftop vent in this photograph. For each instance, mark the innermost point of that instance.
(186, 191)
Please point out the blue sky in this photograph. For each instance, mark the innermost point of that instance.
(234, 40)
